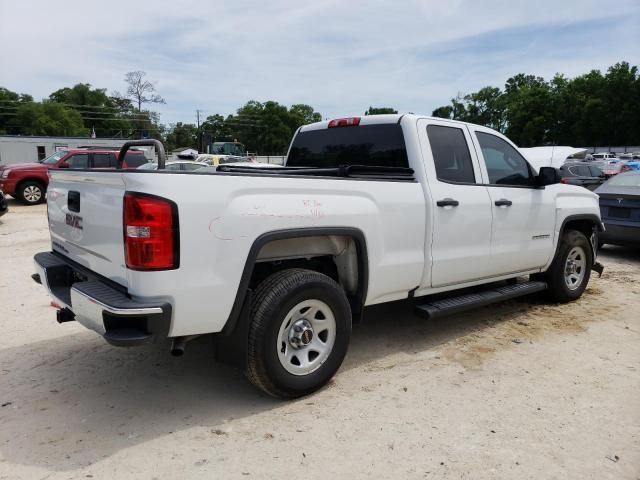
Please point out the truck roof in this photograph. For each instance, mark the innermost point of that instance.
(375, 120)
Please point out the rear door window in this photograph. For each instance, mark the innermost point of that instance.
(505, 165)
(596, 172)
(371, 145)
(79, 160)
(583, 171)
(102, 160)
(451, 154)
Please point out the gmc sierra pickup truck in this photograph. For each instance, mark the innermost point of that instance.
(278, 263)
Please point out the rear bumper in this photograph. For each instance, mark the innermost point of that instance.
(99, 305)
(620, 235)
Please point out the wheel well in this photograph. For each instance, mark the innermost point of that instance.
(584, 225)
(35, 180)
(337, 256)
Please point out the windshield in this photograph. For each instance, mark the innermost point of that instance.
(371, 145)
(52, 159)
(625, 180)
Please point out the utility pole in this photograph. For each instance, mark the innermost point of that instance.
(200, 149)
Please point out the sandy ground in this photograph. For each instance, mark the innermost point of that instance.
(518, 390)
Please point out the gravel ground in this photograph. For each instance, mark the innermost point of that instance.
(517, 390)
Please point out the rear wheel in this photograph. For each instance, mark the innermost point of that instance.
(30, 192)
(570, 271)
(299, 333)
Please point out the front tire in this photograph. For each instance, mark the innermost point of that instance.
(570, 271)
(299, 333)
(30, 192)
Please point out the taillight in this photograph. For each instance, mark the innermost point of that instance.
(151, 240)
(344, 122)
(564, 180)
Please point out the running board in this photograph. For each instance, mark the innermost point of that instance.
(462, 303)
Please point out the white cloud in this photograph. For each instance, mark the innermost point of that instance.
(338, 56)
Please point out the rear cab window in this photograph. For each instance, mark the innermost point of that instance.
(380, 145)
(451, 154)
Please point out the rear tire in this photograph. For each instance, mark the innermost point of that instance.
(570, 271)
(299, 333)
(30, 192)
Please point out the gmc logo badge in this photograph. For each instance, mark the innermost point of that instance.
(74, 221)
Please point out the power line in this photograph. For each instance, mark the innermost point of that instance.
(113, 113)
(21, 102)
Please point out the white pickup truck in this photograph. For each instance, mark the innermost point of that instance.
(278, 263)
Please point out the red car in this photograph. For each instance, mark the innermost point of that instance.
(28, 182)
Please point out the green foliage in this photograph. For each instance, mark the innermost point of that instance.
(380, 110)
(47, 118)
(99, 111)
(591, 109)
(9, 104)
(182, 135)
(266, 127)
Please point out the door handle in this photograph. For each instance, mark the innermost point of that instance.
(73, 201)
(447, 202)
(503, 202)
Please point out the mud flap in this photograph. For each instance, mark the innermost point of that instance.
(597, 266)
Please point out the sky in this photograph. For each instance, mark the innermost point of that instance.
(338, 56)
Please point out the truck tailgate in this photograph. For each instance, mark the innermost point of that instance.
(85, 220)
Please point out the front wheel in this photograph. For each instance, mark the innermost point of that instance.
(30, 192)
(569, 273)
(299, 333)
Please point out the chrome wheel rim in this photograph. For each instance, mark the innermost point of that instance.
(306, 337)
(32, 194)
(575, 268)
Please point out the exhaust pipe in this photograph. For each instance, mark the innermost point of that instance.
(178, 344)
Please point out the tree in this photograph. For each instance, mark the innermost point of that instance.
(593, 109)
(182, 135)
(9, 104)
(47, 118)
(264, 127)
(140, 90)
(380, 110)
(443, 112)
(100, 112)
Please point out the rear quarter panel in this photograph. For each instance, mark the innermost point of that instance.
(221, 215)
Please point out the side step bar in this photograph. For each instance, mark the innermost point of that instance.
(452, 305)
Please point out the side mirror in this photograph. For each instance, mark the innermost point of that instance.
(63, 165)
(548, 176)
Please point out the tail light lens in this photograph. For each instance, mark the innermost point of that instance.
(151, 233)
(564, 180)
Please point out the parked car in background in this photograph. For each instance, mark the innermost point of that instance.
(582, 174)
(215, 160)
(27, 182)
(4, 206)
(633, 164)
(620, 209)
(614, 168)
(178, 165)
(604, 156)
